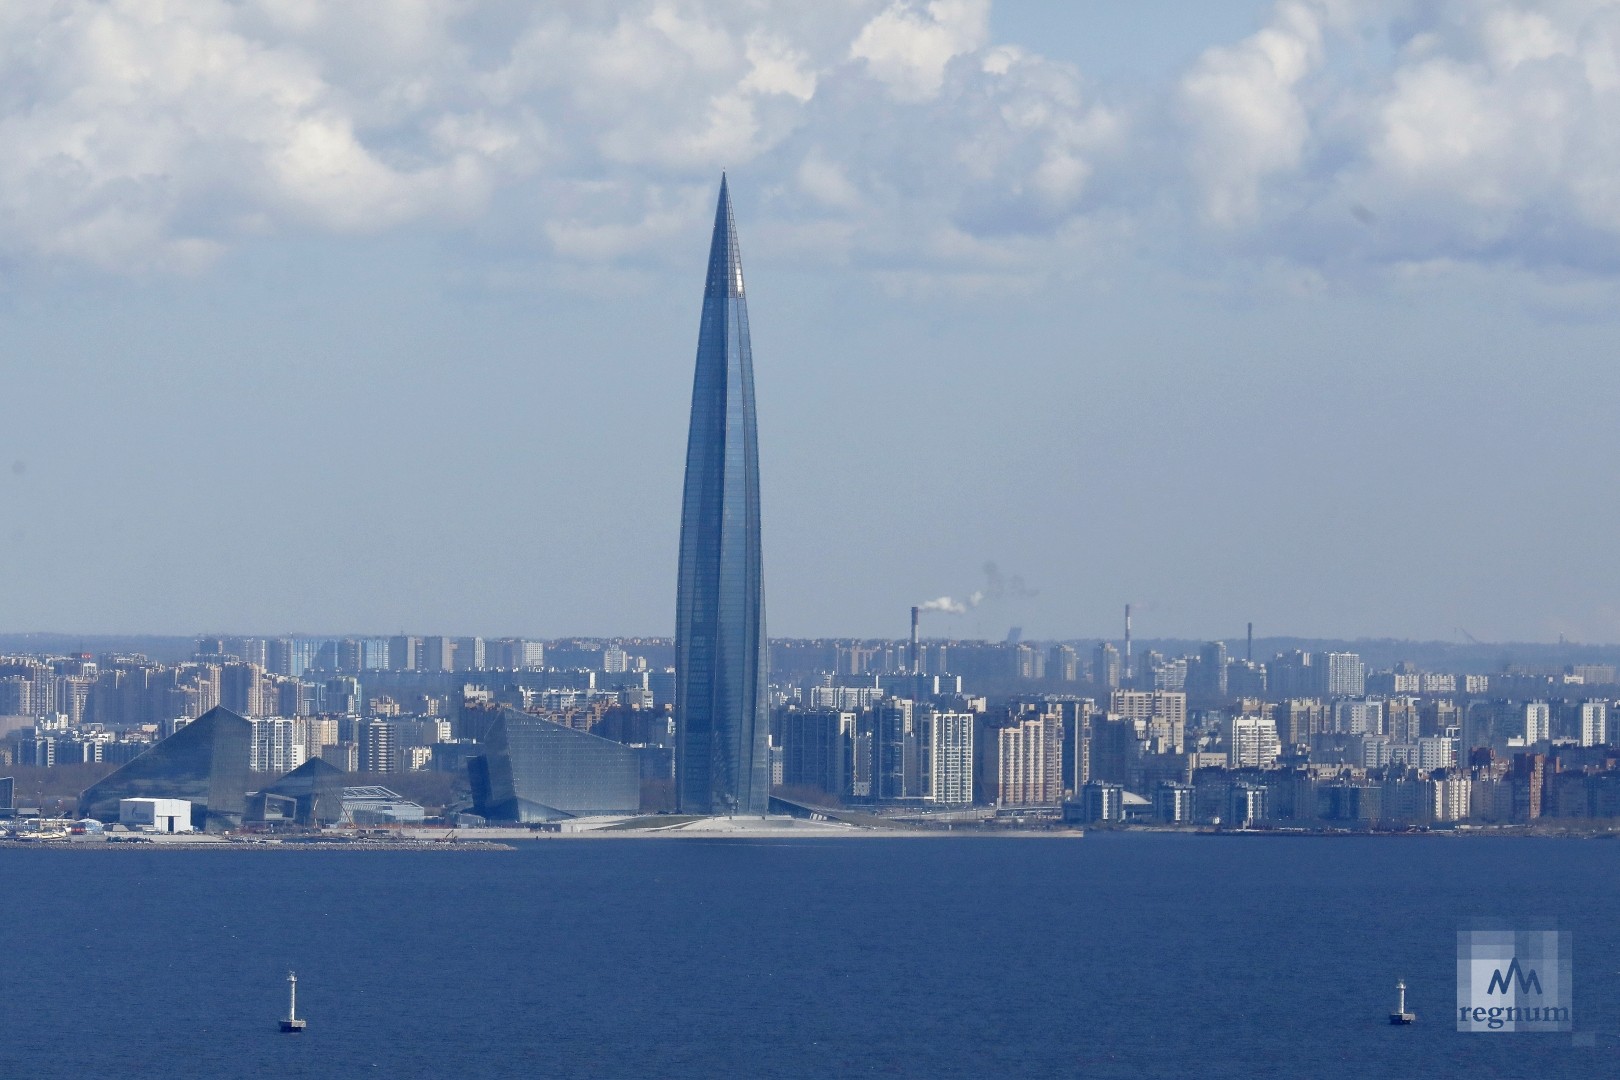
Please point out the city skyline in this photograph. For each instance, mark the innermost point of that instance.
(1320, 739)
(1299, 313)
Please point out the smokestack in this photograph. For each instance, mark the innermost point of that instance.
(1249, 656)
(916, 656)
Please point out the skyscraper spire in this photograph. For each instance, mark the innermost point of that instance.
(725, 260)
(722, 749)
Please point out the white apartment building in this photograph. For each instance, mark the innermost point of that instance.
(1251, 742)
(1537, 722)
(950, 767)
(277, 746)
(1594, 723)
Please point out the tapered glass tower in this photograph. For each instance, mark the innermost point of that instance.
(722, 731)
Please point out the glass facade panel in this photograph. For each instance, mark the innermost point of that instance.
(722, 760)
(316, 788)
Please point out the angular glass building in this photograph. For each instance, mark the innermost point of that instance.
(534, 770)
(205, 762)
(314, 791)
(722, 730)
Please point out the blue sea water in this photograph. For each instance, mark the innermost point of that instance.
(1109, 956)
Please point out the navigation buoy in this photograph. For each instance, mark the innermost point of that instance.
(1400, 1015)
(292, 1024)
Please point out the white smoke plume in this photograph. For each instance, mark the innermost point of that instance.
(952, 606)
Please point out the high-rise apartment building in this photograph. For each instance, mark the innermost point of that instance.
(1028, 661)
(1594, 723)
(1077, 737)
(1359, 716)
(280, 658)
(342, 694)
(1246, 804)
(468, 655)
(1436, 752)
(1435, 717)
(17, 696)
(73, 696)
(722, 743)
(950, 770)
(1345, 675)
(895, 773)
(404, 652)
(1174, 803)
(1210, 685)
(244, 690)
(1251, 742)
(1165, 713)
(1029, 760)
(348, 655)
(277, 747)
(1403, 719)
(1537, 722)
(1300, 718)
(438, 652)
(1106, 670)
(816, 749)
(377, 746)
(248, 650)
(1101, 803)
(514, 654)
(1245, 678)
(1156, 673)
(319, 732)
(1063, 663)
(1293, 675)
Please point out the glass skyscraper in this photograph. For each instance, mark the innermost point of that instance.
(722, 749)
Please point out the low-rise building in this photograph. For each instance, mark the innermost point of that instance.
(155, 815)
(374, 805)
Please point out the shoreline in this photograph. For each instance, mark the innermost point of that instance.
(512, 839)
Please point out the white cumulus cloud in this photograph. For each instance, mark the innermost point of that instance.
(908, 45)
(892, 135)
(1487, 135)
(1246, 120)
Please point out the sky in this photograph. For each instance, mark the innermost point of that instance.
(347, 318)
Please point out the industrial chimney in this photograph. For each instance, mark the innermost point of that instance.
(916, 654)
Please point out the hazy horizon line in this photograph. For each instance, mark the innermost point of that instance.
(857, 638)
